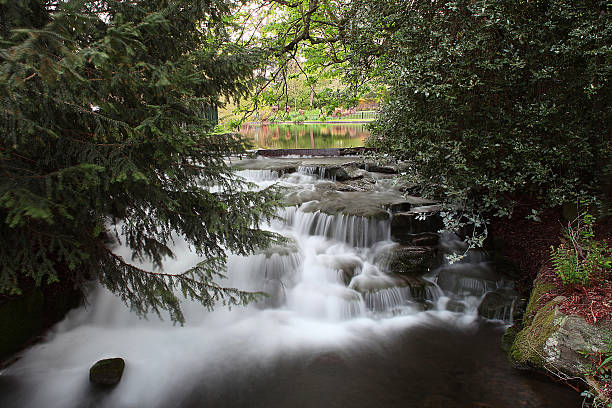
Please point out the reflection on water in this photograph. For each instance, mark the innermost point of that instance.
(306, 136)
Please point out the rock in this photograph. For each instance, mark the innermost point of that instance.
(566, 348)
(426, 240)
(552, 340)
(468, 279)
(409, 260)
(409, 203)
(455, 306)
(497, 305)
(419, 288)
(374, 168)
(107, 372)
(25, 317)
(280, 166)
(419, 220)
(337, 173)
(353, 203)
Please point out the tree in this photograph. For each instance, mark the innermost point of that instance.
(101, 107)
(496, 103)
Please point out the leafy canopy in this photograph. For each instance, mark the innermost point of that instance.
(498, 103)
(102, 111)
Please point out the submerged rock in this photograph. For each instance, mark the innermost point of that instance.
(107, 372)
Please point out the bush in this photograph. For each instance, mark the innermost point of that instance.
(580, 259)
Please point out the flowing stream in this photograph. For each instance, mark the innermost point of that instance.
(337, 330)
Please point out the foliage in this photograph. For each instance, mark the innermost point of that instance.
(100, 109)
(494, 103)
(601, 373)
(580, 258)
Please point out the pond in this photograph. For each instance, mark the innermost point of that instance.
(306, 136)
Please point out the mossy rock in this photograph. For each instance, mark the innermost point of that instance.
(509, 336)
(107, 372)
(540, 288)
(528, 346)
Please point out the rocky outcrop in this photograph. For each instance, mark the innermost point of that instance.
(551, 340)
(107, 372)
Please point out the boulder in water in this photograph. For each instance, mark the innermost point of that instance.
(410, 260)
(107, 372)
(406, 225)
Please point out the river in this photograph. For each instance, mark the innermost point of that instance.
(338, 330)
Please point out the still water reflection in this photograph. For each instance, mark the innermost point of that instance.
(306, 136)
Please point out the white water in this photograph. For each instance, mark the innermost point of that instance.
(326, 292)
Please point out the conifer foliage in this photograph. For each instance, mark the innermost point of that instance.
(103, 134)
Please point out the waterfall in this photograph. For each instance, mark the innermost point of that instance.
(327, 287)
(355, 230)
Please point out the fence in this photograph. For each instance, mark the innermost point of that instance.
(363, 115)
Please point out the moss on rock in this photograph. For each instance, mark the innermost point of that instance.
(540, 288)
(528, 346)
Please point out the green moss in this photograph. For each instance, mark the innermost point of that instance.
(508, 337)
(540, 288)
(528, 346)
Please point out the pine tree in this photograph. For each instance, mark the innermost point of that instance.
(103, 134)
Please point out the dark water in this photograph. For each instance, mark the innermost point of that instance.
(430, 366)
(306, 136)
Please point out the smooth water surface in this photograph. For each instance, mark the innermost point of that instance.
(306, 136)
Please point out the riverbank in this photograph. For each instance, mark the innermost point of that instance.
(565, 332)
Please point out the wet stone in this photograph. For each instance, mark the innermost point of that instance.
(107, 372)
(405, 225)
(410, 260)
(374, 168)
(496, 305)
(410, 202)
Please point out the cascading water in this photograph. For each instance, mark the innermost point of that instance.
(332, 302)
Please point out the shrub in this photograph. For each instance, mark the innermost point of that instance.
(580, 258)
